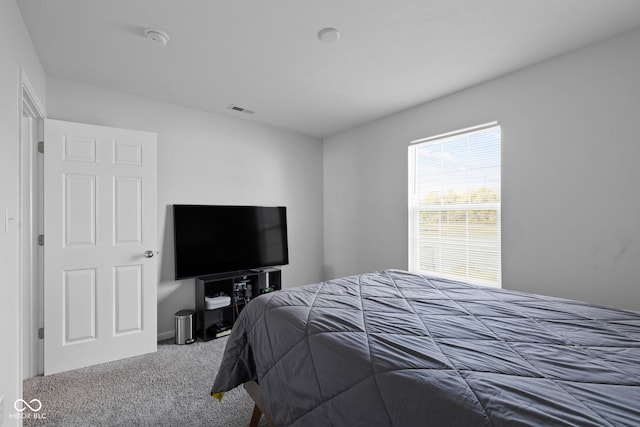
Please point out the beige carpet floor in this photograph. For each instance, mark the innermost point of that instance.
(167, 388)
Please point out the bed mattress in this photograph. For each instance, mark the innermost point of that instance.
(396, 348)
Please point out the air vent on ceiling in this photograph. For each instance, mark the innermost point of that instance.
(240, 109)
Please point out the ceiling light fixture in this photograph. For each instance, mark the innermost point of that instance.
(329, 35)
(158, 37)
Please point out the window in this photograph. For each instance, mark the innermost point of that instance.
(455, 205)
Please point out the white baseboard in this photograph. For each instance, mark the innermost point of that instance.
(166, 335)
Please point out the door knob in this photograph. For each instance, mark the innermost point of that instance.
(148, 254)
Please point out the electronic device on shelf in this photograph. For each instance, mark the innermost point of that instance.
(242, 291)
(215, 239)
(220, 301)
(221, 298)
(219, 329)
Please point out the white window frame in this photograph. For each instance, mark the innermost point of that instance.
(415, 209)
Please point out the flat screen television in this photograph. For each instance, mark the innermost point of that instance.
(221, 239)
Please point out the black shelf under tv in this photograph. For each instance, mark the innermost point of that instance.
(218, 322)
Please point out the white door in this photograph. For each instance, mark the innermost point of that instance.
(100, 242)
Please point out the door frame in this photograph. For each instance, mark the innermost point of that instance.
(29, 296)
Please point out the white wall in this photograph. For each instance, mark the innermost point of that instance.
(212, 159)
(17, 51)
(570, 149)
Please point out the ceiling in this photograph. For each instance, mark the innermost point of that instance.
(264, 55)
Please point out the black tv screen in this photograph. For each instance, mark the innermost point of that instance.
(220, 239)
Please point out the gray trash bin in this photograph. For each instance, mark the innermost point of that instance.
(185, 333)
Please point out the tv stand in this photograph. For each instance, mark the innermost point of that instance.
(241, 287)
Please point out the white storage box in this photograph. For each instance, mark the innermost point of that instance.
(211, 303)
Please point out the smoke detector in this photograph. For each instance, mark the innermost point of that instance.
(329, 35)
(158, 37)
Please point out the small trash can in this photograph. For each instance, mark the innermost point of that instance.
(184, 327)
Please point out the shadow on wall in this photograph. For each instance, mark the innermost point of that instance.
(172, 292)
(167, 272)
(173, 295)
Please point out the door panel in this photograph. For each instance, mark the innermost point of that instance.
(79, 306)
(100, 218)
(79, 213)
(128, 294)
(128, 210)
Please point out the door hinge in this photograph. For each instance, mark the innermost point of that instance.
(41, 333)
(41, 147)
(40, 239)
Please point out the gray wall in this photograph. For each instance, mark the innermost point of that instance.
(211, 159)
(570, 150)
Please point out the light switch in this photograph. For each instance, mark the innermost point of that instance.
(8, 221)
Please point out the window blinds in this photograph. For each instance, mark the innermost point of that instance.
(455, 205)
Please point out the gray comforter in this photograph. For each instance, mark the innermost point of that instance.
(394, 348)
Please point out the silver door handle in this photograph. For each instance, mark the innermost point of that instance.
(148, 254)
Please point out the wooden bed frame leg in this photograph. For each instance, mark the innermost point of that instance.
(255, 418)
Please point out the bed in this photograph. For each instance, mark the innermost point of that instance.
(396, 348)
